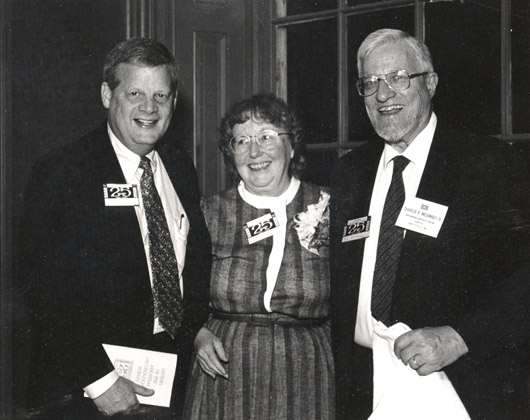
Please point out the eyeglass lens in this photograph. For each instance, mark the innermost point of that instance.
(396, 80)
(267, 139)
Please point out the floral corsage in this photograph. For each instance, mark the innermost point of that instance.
(312, 226)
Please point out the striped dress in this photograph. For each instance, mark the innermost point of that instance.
(276, 371)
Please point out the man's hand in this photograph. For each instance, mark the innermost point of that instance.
(121, 397)
(428, 350)
(210, 353)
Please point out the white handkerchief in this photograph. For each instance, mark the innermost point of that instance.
(400, 393)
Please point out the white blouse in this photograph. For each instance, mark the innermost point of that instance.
(277, 205)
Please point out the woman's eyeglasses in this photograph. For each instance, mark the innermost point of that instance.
(266, 140)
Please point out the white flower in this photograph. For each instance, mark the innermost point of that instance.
(311, 235)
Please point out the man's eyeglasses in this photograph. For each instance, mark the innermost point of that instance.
(395, 80)
(266, 139)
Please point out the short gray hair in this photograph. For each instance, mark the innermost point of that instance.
(394, 36)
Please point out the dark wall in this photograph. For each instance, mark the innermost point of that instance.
(58, 48)
(58, 52)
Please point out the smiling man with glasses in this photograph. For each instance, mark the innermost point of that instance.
(427, 230)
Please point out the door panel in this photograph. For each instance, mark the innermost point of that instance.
(212, 41)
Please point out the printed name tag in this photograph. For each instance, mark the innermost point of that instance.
(422, 216)
(121, 194)
(356, 229)
(261, 228)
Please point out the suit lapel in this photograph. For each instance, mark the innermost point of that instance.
(362, 173)
(435, 182)
(104, 169)
(436, 185)
(353, 190)
(104, 160)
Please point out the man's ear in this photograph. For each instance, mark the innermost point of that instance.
(106, 94)
(432, 82)
(175, 100)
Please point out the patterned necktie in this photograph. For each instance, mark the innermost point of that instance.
(164, 266)
(389, 246)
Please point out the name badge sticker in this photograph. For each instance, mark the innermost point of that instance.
(261, 228)
(121, 195)
(356, 229)
(422, 216)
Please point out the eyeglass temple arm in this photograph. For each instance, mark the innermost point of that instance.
(412, 76)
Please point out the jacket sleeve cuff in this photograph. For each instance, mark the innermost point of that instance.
(99, 387)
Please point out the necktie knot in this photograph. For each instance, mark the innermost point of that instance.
(400, 163)
(145, 164)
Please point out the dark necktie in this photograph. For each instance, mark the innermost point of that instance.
(164, 266)
(389, 246)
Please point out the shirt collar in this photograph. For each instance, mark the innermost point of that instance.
(418, 151)
(129, 161)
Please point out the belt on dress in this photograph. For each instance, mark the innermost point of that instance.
(270, 319)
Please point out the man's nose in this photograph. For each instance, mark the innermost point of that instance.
(149, 105)
(384, 91)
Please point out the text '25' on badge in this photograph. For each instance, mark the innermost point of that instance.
(356, 229)
(261, 228)
(121, 195)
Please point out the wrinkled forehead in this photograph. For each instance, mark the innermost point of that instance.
(390, 57)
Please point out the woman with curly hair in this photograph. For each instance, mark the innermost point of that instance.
(265, 352)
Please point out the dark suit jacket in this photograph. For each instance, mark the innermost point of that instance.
(83, 269)
(472, 277)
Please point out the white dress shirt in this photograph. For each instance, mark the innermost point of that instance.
(175, 215)
(417, 153)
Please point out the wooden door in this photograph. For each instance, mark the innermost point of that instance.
(223, 47)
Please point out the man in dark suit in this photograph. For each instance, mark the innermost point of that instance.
(96, 266)
(464, 290)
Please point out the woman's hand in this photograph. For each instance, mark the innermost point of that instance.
(210, 353)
